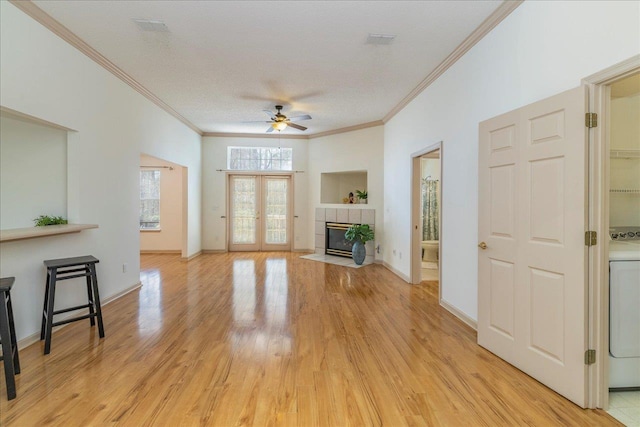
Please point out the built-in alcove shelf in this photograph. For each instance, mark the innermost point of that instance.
(336, 186)
(49, 230)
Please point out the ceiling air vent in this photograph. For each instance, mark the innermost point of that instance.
(152, 25)
(380, 38)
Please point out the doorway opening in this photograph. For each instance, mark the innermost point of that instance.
(259, 217)
(163, 206)
(426, 215)
(615, 163)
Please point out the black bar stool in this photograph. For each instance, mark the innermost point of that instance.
(64, 269)
(8, 337)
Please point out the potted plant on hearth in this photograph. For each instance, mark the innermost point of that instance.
(359, 234)
(362, 196)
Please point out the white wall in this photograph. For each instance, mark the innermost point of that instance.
(214, 191)
(43, 76)
(169, 237)
(360, 150)
(624, 208)
(33, 161)
(541, 49)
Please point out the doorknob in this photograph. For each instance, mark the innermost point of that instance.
(482, 245)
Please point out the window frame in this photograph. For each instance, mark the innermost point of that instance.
(265, 157)
(159, 199)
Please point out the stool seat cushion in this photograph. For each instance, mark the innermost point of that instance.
(6, 283)
(67, 262)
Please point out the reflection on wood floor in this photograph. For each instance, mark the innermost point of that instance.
(266, 339)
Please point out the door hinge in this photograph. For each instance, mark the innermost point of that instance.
(589, 357)
(591, 120)
(590, 238)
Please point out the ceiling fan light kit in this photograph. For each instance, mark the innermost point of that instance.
(279, 126)
(280, 122)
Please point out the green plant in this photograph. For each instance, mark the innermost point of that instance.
(362, 195)
(43, 220)
(359, 233)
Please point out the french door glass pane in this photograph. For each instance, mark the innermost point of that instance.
(276, 211)
(244, 210)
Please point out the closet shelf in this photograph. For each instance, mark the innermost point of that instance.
(624, 154)
(622, 190)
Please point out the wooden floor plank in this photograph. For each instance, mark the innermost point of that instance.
(271, 339)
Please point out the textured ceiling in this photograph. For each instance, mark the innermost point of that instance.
(222, 62)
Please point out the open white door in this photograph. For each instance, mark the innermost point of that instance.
(532, 302)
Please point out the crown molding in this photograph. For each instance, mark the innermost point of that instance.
(254, 135)
(28, 7)
(347, 129)
(483, 29)
(65, 34)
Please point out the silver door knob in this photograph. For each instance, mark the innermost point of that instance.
(482, 245)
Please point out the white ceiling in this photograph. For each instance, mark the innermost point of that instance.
(223, 62)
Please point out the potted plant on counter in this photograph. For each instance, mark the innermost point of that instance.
(359, 234)
(362, 196)
(44, 220)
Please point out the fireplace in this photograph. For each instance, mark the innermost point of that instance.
(336, 244)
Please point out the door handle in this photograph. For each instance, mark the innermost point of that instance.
(482, 245)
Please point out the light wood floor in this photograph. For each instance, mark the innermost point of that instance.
(271, 339)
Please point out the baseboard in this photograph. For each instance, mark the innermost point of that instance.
(460, 315)
(160, 251)
(34, 338)
(396, 272)
(190, 257)
(304, 250)
(214, 251)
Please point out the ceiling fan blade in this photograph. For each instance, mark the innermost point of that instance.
(295, 126)
(259, 121)
(270, 129)
(298, 118)
(271, 115)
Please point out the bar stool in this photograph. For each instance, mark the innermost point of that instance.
(64, 269)
(8, 337)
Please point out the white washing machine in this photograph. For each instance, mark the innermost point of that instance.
(624, 308)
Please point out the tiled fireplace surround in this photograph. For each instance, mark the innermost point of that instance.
(344, 216)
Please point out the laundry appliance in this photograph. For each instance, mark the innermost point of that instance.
(624, 308)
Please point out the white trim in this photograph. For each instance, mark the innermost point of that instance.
(396, 272)
(478, 34)
(39, 15)
(459, 314)
(14, 114)
(347, 129)
(598, 327)
(192, 256)
(67, 35)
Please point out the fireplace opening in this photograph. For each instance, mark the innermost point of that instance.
(336, 244)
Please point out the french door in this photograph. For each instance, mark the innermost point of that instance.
(259, 212)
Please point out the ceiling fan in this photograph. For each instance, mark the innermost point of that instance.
(280, 122)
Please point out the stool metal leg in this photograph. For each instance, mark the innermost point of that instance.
(90, 297)
(50, 303)
(44, 309)
(96, 299)
(12, 332)
(7, 356)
